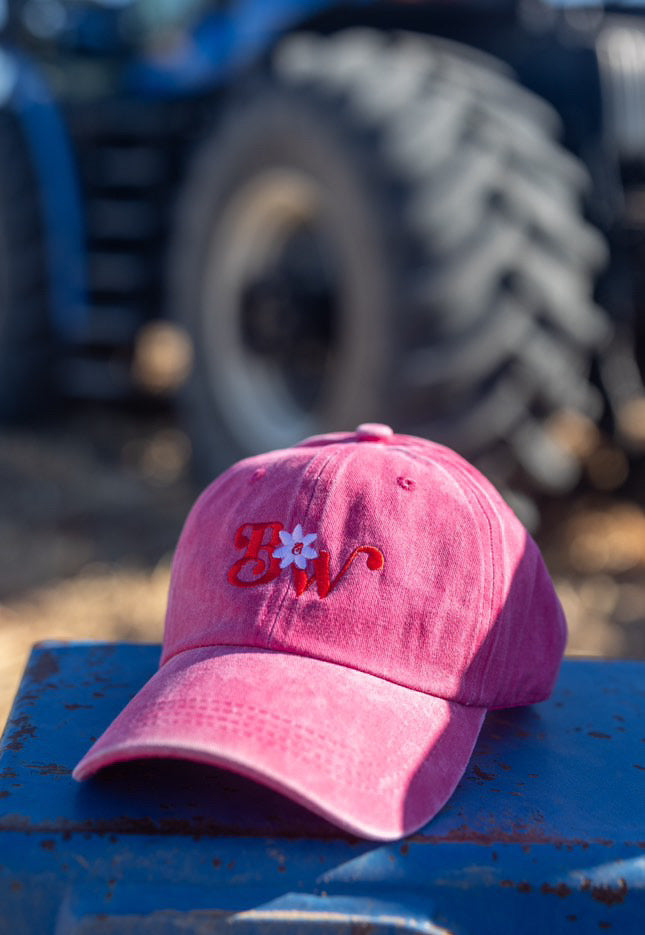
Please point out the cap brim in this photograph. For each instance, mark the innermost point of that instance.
(373, 757)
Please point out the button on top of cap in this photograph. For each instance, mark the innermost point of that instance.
(373, 432)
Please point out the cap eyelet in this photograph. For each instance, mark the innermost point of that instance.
(406, 483)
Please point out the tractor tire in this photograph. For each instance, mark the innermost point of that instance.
(26, 342)
(387, 230)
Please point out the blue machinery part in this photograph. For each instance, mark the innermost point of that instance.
(24, 91)
(220, 43)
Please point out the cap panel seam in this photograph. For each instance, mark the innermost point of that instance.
(278, 612)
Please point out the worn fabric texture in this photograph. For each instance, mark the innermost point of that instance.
(352, 669)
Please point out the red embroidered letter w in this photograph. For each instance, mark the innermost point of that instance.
(268, 549)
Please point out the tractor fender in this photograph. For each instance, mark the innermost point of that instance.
(24, 92)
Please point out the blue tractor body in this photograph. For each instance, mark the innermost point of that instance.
(115, 102)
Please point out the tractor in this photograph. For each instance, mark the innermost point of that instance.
(429, 214)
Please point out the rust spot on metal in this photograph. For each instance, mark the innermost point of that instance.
(495, 855)
(49, 769)
(217, 862)
(98, 694)
(482, 775)
(524, 887)
(75, 707)
(20, 729)
(506, 883)
(638, 766)
(604, 925)
(44, 667)
(519, 834)
(505, 766)
(16, 886)
(8, 774)
(282, 868)
(125, 825)
(48, 844)
(404, 849)
(5, 794)
(560, 889)
(609, 895)
(598, 733)
(571, 918)
(230, 865)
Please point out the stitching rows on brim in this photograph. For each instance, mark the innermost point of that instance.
(338, 759)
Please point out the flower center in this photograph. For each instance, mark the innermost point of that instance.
(297, 549)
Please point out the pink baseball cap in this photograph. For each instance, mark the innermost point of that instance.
(341, 616)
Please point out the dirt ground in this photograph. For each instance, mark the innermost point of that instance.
(91, 506)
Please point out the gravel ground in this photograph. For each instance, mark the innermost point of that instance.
(91, 507)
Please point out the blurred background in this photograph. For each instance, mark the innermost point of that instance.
(227, 225)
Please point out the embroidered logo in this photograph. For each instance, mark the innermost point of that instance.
(269, 548)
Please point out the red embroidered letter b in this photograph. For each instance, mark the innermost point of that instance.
(258, 562)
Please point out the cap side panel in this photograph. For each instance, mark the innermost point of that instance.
(223, 552)
(186, 601)
(520, 660)
(528, 639)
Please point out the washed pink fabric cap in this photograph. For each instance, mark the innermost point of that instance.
(341, 616)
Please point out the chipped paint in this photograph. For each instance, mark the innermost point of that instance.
(49, 769)
(43, 667)
(606, 893)
(520, 834)
(482, 775)
(19, 730)
(560, 889)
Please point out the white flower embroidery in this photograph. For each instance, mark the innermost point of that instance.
(296, 548)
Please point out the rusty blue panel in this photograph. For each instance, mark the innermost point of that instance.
(545, 831)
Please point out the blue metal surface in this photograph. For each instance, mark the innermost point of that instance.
(220, 43)
(545, 831)
(53, 161)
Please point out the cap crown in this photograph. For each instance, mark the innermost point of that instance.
(422, 574)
